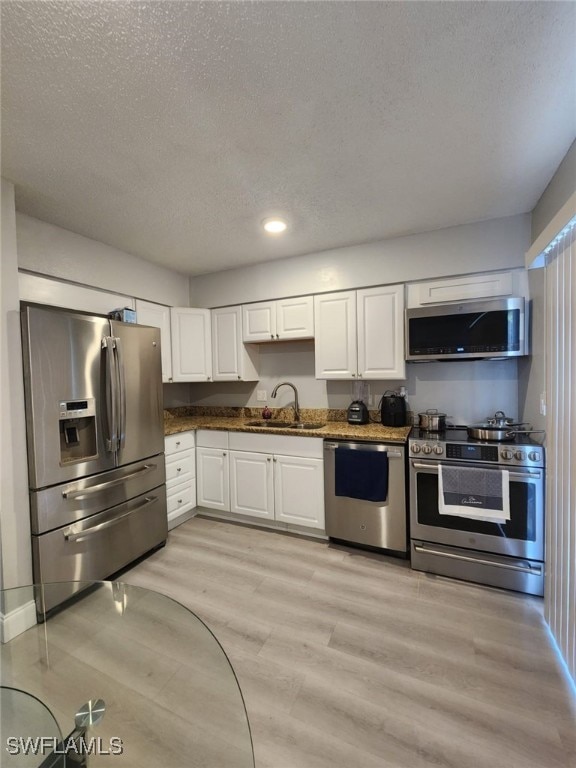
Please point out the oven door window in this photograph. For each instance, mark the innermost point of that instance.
(522, 523)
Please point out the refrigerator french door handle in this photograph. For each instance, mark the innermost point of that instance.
(111, 377)
(71, 535)
(121, 392)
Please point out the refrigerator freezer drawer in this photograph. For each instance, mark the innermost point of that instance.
(102, 544)
(67, 503)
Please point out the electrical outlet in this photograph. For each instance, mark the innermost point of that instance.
(543, 404)
(261, 395)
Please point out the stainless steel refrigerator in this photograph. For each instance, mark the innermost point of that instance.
(94, 421)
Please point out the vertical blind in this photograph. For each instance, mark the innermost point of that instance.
(560, 597)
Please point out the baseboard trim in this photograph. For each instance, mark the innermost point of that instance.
(17, 621)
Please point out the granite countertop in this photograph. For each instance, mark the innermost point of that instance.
(234, 420)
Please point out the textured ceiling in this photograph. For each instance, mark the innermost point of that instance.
(171, 129)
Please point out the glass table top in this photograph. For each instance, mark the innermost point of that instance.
(122, 676)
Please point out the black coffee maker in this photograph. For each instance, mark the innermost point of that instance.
(393, 410)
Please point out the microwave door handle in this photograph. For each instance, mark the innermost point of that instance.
(121, 393)
(110, 389)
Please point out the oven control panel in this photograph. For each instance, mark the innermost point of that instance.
(495, 453)
(471, 452)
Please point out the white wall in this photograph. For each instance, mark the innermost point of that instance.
(557, 192)
(16, 559)
(467, 391)
(481, 247)
(55, 252)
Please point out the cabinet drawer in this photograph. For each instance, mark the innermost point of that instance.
(180, 467)
(286, 445)
(181, 498)
(208, 438)
(179, 442)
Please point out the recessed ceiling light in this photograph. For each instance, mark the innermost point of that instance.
(274, 226)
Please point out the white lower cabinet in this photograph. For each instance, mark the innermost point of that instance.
(251, 484)
(258, 478)
(213, 478)
(180, 476)
(299, 491)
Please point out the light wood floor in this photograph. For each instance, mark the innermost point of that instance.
(352, 660)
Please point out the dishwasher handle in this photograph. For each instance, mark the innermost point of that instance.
(369, 447)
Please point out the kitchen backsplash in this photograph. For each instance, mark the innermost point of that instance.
(467, 391)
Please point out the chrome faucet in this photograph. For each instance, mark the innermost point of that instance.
(296, 407)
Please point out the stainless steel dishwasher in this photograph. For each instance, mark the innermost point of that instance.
(381, 523)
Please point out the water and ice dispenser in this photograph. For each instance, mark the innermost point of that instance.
(77, 423)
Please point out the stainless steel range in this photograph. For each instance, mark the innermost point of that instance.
(508, 553)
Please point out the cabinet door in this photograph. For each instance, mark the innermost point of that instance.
(381, 332)
(158, 316)
(335, 333)
(259, 321)
(213, 486)
(251, 486)
(231, 360)
(299, 491)
(295, 318)
(466, 288)
(191, 344)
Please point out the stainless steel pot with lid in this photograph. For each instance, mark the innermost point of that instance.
(432, 420)
(499, 428)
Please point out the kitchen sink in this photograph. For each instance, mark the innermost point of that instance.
(286, 424)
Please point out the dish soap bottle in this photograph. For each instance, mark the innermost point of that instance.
(266, 413)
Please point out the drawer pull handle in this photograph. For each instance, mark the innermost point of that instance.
(178, 469)
(71, 535)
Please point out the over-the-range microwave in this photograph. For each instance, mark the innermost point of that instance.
(492, 328)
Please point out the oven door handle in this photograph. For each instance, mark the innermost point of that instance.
(513, 473)
(537, 571)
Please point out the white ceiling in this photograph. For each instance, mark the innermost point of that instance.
(171, 129)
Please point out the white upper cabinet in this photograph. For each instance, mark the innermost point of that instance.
(380, 313)
(360, 334)
(335, 328)
(231, 360)
(158, 316)
(191, 344)
(487, 285)
(278, 320)
(259, 321)
(295, 318)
